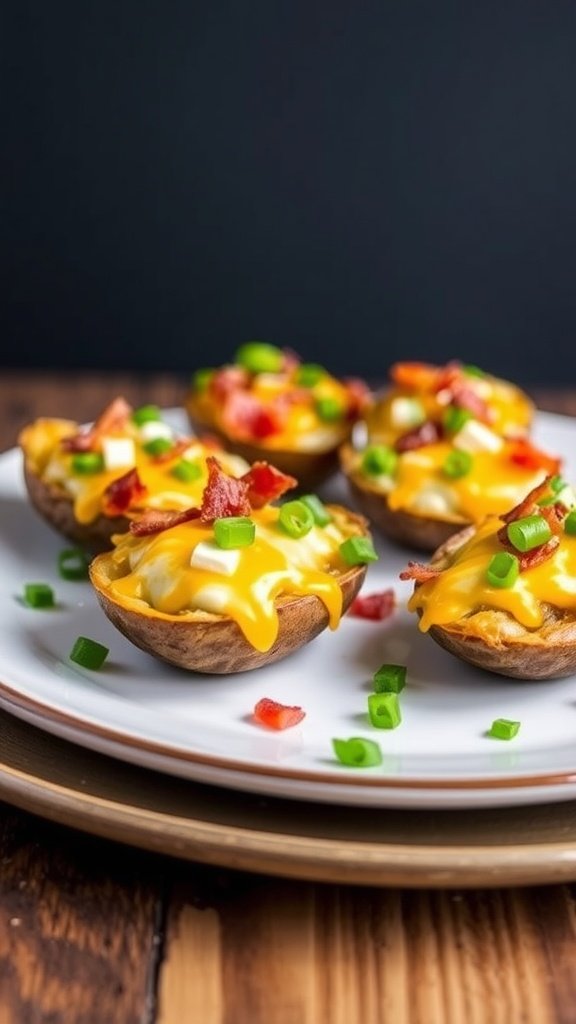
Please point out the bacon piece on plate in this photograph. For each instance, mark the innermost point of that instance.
(377, 606)
(266, 483)
(112, 419)
(123, 493)
(419, 572)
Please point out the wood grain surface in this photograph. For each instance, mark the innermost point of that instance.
(92, 932)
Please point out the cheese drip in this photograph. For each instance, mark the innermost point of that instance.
(41, 441)
(463, 588)
(155, 572)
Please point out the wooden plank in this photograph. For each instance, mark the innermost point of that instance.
(250, 950)
(78, 927)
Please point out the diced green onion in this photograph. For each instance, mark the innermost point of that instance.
(357, 752)
(389, 679)
(73, 564)
(384, 710)
(259, 357)
(570, 523)
(379, 460)
(38, 595)
(202, 378)
(89, 653)
(473, 371)
(503, 570)
(146, 414)
(557, 484)
(234, 532)
(454, 419)
(358, 551)
(503, 729)
(319, 511)
(528, 533)
(329, 409)
(186, 471)
(158, 446)
(87, 462)
(457, 464)
(309, 374)
(295, 518)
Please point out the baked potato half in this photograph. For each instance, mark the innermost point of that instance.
(181, 597)
(88, 483)
(270, 405)
(499, 607)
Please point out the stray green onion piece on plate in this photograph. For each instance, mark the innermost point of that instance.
(296, 518)
(384, 710)
(233, 532)
(146, 414)
(389, 679)
(357, 752)
(73, 564)
(38, 595)
(503, 729)
(358, 551)
(89, 653)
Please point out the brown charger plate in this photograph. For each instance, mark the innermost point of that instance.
(443, 849)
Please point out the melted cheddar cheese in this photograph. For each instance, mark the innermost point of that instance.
(153, 574)
(41, 442)
(493, 485)
(463, 588)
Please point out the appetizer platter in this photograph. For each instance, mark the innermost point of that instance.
(221, 634)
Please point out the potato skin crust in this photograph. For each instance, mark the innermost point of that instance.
(57, 508)
(493, 640)
(309, 468)
(214, 644)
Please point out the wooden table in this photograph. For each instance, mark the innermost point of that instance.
(96, 933)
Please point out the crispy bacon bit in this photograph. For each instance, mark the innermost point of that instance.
(524, 453)
(228, 380)
(211, 441)
(529, 505)
(416, 376)
(376, 607)
(530, 559)
(465, 397)
(554, 516)
(154, 520)
(244, 415)
(358, 396)
(266, 483)
(223, 495)
(419, 572)
(427, 433)
(124, 493)
(111, 420)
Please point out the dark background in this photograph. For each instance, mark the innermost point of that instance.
(360, 181)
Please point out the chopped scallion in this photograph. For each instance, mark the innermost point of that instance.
(384, 710)
(309, 374)
(454, 419)
(73, 564)
(357, 752)
(234, 532)
(389, 679)
(358, 551)
(89, 653)
(319, 511)
(259, 357)
(201, 379)
(503, 729)
(473, 371)
(87, 462)
(570, 523)
(38, 595)
(158, 446)
(379, 460)
(296, 518)
(457, 464)
(503, 570)
(528, 533)
(186, 471)
(146, 414)
(329, 409)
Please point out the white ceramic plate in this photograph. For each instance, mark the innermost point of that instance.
(200, 727)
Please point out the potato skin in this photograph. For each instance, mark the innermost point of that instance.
(214, 644)
(309, 468)
(57, 508)
(493, 640)
(412, 531)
